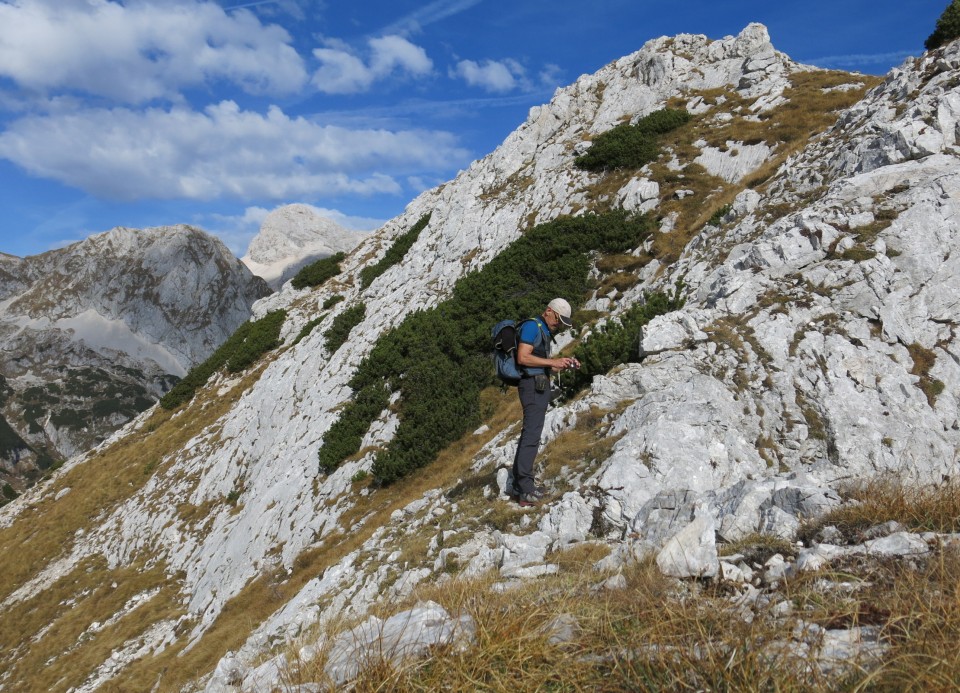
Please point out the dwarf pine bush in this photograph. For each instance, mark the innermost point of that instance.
(617, 341)
(947, 29)
(439, 359)
(342, 325)
(631, 146)
(316, 273)
(241, 350)
(395, 254)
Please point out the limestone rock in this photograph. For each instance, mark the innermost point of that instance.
(402, 636)
(692, 552)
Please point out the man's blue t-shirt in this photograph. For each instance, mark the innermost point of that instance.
(530, 334)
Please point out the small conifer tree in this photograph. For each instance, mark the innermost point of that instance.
(947, 29)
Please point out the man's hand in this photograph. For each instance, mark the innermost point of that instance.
(565, 363)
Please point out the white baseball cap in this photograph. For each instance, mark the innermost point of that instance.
(562, 309)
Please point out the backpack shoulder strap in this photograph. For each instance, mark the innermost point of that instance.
(542, 337)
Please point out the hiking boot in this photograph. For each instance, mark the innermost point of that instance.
(527, 500)
(540, 492)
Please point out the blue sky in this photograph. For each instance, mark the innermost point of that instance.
(153, 112)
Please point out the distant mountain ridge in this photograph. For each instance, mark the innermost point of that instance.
(95, 332)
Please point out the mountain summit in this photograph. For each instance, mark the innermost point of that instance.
(293, 236)
(766, 312)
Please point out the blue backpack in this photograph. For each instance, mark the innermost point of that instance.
(504, 336)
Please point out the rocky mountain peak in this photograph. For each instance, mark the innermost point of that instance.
(95, 332)
(292, 236)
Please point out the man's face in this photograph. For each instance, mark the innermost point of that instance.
(553, 320)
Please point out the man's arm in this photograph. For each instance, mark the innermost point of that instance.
(527, 359)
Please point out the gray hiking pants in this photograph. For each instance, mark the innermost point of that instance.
(534, 410)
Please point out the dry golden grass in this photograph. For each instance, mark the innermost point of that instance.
(49, 645)
(176, 668)
(923, 627)
(918, 508)
(658, 634)
(42, 631)
(647, 636)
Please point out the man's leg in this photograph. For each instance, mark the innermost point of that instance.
(534, 410)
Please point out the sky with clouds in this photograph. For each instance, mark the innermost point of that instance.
(214, 112)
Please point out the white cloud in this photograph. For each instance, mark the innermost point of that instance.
(428, 14)
(552, 76)
(140, 51)
(860, 59)
(343, 72)
(222, 152)
(236, 231)
(492, 75)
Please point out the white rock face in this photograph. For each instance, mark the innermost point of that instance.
(293, 236)
(793, 367)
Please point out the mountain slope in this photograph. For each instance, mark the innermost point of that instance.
(814, 255)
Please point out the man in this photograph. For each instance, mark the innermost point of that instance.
(534, 342)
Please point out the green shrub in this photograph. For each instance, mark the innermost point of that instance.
(262, 336)
(70, 418)
(342, 325)
(395, 254)
(243, 348)
(631, 146)
(106, 407)
(947, 29)
(344, 437)
(717, 217)
(8, 492)
(618, 341)
(439, 359)
(316, 273)
(332, 301)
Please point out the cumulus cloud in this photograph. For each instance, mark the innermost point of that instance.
(221, 152)
(498, 76)
(341, 71)
(140, 51)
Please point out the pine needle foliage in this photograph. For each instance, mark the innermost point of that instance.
(947, 29)
(251, 341)
(618, 341)
(316, 273)
(342, 325)
(395, 254)
(631, 146)
(439, 359)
